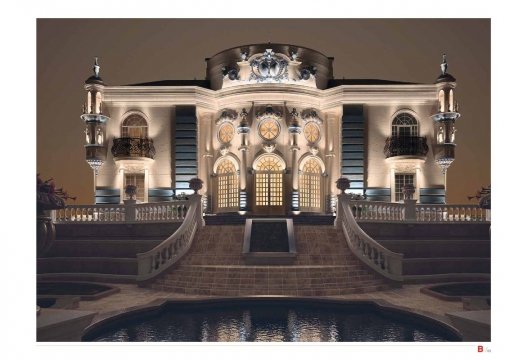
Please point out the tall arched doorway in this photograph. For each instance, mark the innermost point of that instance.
(310, 185)
(227, 182)
(269, 184)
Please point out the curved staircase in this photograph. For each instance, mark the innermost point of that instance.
(100, 252)
(437, 252)
(324, 266)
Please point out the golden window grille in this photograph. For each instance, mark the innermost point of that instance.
(311, 132)
(226, 133)
(227, 185)
(310, 186)
(269, 129)
(269, 181)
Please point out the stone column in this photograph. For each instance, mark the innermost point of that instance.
(121, 171)
(295, 129)
(331, 133)
(243, 130)
(145, 190)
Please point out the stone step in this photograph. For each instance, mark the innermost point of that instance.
(426, 266)
(236, 219)
(152, 231)
(100, 248)
(431, 248)
(424, 231)
(92, 277)
(99, 265)
(297, 280)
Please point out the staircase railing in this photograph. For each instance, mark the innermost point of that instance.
(377, 257)
(163, 256)
(166, 211)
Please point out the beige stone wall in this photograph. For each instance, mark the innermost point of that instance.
(379, 121)
(160, 122)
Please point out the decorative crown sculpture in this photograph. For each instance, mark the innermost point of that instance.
(269, 67)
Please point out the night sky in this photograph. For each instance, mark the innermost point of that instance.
(135, 51)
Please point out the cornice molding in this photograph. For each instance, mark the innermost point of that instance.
(260, 93)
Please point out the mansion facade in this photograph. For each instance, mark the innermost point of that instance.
(270, 131)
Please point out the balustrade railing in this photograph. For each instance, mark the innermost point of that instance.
(160, 258)
(376, 210)
(451, 213)
(380, 259)
(119, 213)
(367, 211)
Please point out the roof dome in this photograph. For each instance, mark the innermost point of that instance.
(444, 76)
(95, 79)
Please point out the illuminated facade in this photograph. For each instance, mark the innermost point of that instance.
(269, 132)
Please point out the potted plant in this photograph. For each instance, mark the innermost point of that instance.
(48, 198)
(195, 184)
(130, 191)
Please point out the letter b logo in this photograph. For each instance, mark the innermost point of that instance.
(479, 348)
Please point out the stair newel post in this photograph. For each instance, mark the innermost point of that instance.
(342, 184)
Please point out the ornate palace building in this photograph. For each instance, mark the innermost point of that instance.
(270, 131)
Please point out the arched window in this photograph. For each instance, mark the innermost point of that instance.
(98, 101)
(134, 126)
(441, 100)
(451, 100)
(310, 186)
(89, 102)
(227, 186)
(404, 125)
(269, 170)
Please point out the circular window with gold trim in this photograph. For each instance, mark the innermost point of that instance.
(311, 132)
(269, 129)
(226, 133)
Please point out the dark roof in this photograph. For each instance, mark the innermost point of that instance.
(95, 80)
(332, 83)
(445, 78)
(201, 83)
(338, 82)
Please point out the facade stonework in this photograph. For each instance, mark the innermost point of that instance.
(269, 132)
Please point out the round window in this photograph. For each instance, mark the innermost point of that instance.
(311, 132)
(269, 129)
(226, 133)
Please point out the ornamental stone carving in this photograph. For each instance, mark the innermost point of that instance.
(269, 67)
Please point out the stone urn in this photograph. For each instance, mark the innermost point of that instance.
(195, 184)
(130, 190)
(408, 191)
(45, 230)
(343, 184)
(485, 202)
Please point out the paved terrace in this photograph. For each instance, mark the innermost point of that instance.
(409, 297)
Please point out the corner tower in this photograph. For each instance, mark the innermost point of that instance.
(95, 122)
(445, 120)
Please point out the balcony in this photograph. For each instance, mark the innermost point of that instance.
(127, 147)
(406, 146)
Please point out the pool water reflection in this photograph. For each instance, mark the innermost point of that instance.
(272, 323)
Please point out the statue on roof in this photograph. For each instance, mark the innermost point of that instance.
(443, 66)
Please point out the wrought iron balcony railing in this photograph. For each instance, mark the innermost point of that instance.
(133, 147)
(405, 145)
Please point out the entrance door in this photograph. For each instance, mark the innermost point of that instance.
(269, 194)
